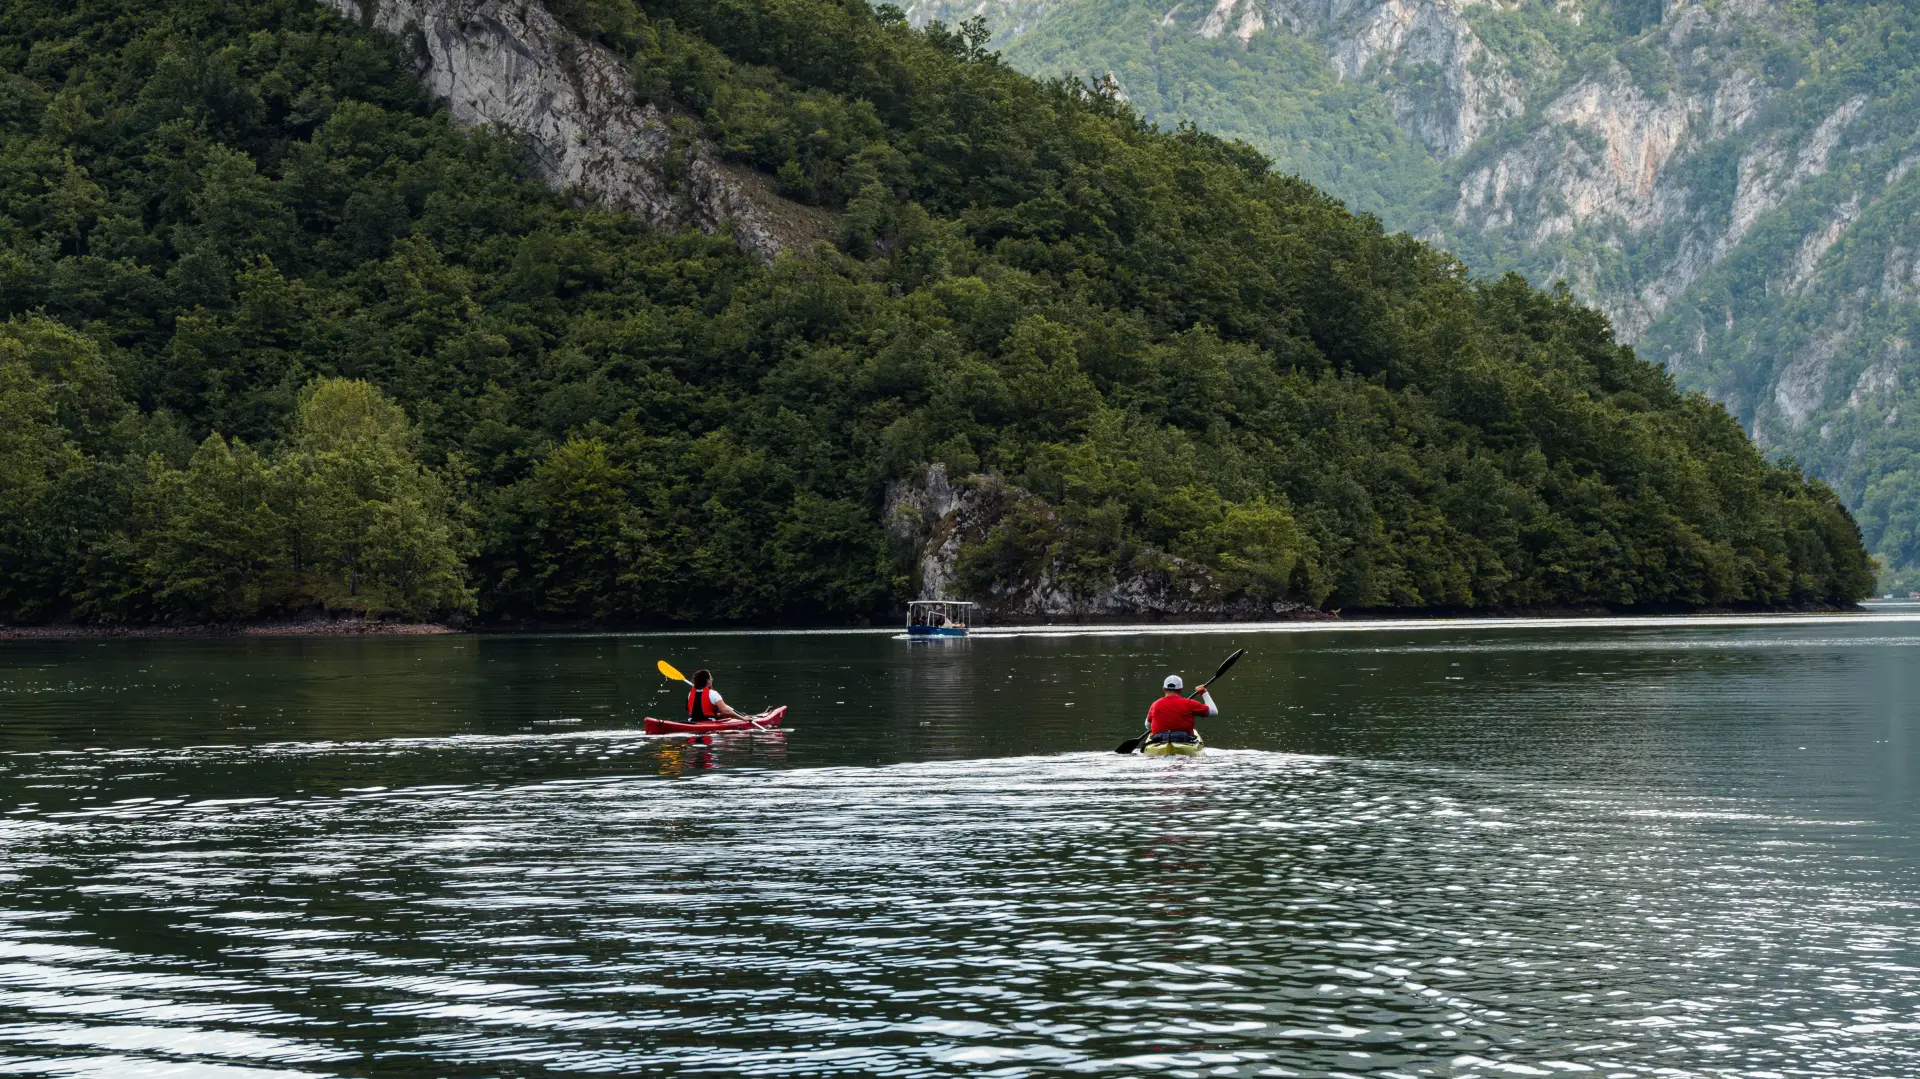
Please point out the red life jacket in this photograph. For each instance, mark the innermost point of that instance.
(700, 707)
(1174, 714)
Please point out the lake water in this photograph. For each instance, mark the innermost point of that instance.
(1593, 849)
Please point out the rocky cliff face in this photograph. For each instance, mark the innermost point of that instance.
(1606, 164)
(1452, 89)
(1731, 181)
(512, 64)
(1473, 90)
(1602, 158)
(1743, 221)
(930, 519)
(1008, 19)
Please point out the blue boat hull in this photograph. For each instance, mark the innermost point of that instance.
(935, 631)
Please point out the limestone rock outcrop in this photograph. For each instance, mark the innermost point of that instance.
(1475, 89)
(510, 63)
(933, 518)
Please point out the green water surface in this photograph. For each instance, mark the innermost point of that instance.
(1481, 849)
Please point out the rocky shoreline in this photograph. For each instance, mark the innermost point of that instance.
(348, 627)
(303, 628)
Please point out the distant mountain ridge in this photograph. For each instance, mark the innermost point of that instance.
(1732, 181)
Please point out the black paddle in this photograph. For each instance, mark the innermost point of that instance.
(1132, 744)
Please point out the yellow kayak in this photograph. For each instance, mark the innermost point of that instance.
(1174, 749)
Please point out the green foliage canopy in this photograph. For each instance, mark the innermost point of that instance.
(1744, 319)
(282, 336)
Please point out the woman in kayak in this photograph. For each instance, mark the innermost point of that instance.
(1171, 717)
(703, 701)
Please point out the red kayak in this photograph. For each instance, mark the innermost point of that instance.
(766, 720)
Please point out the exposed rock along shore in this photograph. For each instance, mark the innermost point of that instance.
(932, 516)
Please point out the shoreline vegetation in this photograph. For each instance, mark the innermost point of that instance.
(1145, 622)
(278, 335)
(330, 627)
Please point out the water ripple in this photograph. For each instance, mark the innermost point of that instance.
(1248, 913)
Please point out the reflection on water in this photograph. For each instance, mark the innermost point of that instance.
(1670, 852)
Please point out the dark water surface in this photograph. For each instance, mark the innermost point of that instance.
(1592, 851)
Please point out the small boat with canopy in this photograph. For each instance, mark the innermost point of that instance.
(938, 618)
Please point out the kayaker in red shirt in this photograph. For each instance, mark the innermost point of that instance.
(1172, 715)
(703, 701)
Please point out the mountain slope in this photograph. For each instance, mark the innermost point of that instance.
(1111, 370)
(1730, 181)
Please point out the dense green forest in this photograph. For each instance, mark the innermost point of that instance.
(1778, 277)
(281, 336)
(1275, 91)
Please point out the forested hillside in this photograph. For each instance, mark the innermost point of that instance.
(281, 334)
(1730, 180)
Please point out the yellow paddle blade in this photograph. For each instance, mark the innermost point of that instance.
(668, 670)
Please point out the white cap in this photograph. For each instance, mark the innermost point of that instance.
(1173, 682)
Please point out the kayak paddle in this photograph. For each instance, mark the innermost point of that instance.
(1132, 744)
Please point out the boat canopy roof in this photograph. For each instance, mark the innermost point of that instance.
(940, 614)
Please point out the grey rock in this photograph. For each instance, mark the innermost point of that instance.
(932, 518)
(511, 64)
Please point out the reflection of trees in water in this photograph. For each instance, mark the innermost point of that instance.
(997, 696)
(935, 679)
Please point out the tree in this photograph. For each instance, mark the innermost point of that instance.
(566, 527)
(58, 398)
(343, 517)
(367, 526)
(212, 546)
